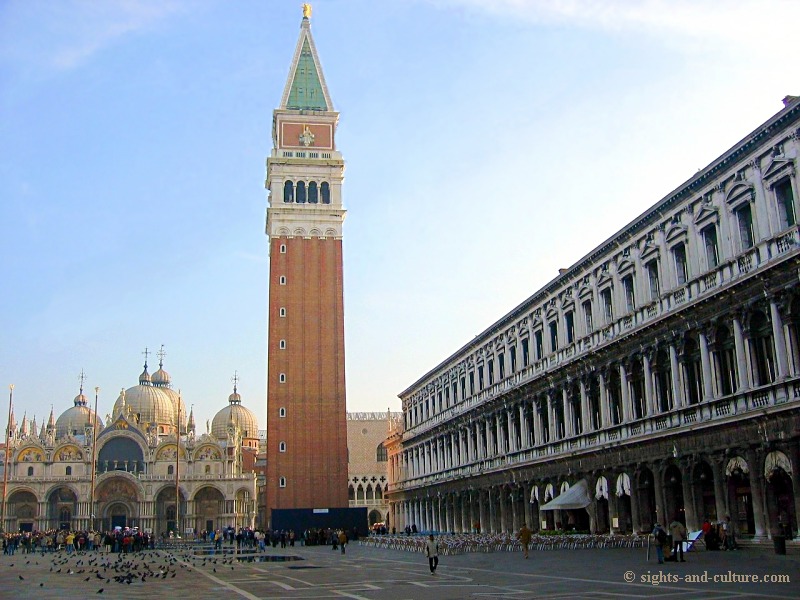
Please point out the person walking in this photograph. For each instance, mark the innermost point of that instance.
(342, 539)
(432, 552)
(525, 538)
(678, 531)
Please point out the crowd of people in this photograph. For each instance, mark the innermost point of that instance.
(721, 535)
(670, 543)
(53, 540)
(250, 539)
(133, 540)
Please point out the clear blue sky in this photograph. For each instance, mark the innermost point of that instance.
(488, 143)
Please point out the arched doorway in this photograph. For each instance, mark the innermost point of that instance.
(623, 500)
(62, 504)
(740, 499)
(167, 518)
(374, 516)
(209, 504)
(645, 493)
(673, 495)
(548, 516)
(117, 514)
(704, 492)
(780, 498)
(22, 509)
(602, 524)
(117, 503)
(537, 521)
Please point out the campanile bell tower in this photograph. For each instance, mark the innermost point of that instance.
(306, 408)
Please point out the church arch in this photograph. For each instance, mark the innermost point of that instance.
(121, 453)
(209, 506)
(165, 513)
(62, 504)
(22, 510)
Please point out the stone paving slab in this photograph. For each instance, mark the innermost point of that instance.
(377, 574)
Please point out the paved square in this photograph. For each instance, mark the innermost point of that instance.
(376, 574)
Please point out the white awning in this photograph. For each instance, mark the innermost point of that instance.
(575, 497)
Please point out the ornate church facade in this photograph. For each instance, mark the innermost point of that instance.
(82, 472)
(656, 378)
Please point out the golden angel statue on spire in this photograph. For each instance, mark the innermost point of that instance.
(306, 10)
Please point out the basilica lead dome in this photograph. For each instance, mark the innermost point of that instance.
(161, 380)
(74, 421)
(148, 404)
(239, 416)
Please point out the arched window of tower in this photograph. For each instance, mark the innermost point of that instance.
(325, 191)
(300, 192)
(312, 192)
(288, 191)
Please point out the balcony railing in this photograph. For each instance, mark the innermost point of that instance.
(695, 289)
(716, 410)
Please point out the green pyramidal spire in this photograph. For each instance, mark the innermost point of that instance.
(305, 88)
(306, 91)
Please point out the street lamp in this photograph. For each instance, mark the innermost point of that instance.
(5, 460)
(94, 458)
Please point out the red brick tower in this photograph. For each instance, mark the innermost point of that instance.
(306, 410)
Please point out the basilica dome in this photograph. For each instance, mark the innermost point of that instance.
(74, 420)
(147, 403)
(240, 415)
(161, 380)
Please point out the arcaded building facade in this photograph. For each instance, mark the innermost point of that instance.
(367, 462)
(306, 464)
(658, 377)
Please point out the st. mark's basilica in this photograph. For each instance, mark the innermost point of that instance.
(138, 453)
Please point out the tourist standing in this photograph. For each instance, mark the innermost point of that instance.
(678, 531)
(660, 536)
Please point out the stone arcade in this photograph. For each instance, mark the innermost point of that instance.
(661, 372)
